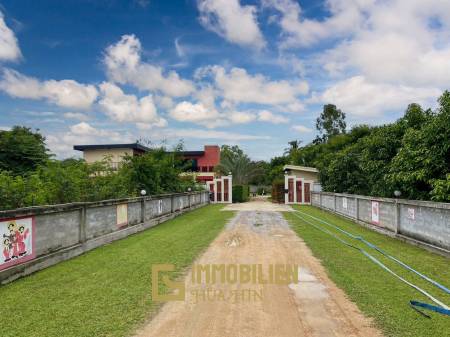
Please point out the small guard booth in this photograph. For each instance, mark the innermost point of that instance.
(298, 183)
(220, 189)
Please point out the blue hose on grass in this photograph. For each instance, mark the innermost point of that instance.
(371, 245)
(380, 264)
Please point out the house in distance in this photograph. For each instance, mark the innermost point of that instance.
(203, 162)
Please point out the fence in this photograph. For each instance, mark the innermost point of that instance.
(34, 238)
(423, 222)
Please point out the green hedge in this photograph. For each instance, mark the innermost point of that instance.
(241, 193)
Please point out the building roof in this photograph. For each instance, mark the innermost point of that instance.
(133, 146)
(300, 168)
(192, 153)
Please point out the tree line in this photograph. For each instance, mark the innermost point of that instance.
(29, 174)
(411, 155)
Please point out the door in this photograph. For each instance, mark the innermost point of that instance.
(211, 191)
(299, 191)
(307, 193)
(225, 189)
(219, 190)
(291, 190)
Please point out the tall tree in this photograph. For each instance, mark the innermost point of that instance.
(22, 150)
(234, 160)
(331, 122)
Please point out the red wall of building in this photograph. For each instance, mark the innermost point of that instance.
(211, 157)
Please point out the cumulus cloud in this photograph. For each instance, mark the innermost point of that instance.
(401, 42)
(64, 93)
(268, 116)
(61, 143)
(9, 47)
(171, 133)
(76, 115)
(301, 128)
(128, 108)
(360, 97)
(188, 112)
(235, 23)
(238, 86)
(345, 17)
(124, 66)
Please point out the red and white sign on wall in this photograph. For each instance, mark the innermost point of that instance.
(375, 212)
(17, 238)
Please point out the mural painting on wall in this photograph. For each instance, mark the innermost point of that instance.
(17, 241)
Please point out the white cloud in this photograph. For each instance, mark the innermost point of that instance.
(124, 65)
(9, 47)
(404, 42)
(189, 112)
(240, 87)
(128, 108)
(345, 17)
(64, 93)
(360, 97)
(165, 102)
(301, 128)
(76, 115)
(268, 116)
(241, 117)
(204, 134)
(235, 23)
(61, 143)
(179, 49)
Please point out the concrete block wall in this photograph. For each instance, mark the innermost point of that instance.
(65, 231)
(422, 222)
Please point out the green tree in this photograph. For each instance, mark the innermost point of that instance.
(424, 157)
(234, 160)
(331, 122)
(22, 150)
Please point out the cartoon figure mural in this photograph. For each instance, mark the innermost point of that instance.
(17, 238)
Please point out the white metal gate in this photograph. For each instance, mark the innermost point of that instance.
(220, 190)
(297, 190)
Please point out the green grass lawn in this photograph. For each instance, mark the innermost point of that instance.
(105, 292)
(377, 293)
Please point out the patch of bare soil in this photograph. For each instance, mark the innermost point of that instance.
(312, 307)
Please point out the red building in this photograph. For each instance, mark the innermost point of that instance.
(204, 162)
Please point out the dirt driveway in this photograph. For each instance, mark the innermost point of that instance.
(258, 234)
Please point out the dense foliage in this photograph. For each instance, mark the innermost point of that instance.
(234, 160)
(411, 155)
(50, 181)
(22, 150)
(241, 193)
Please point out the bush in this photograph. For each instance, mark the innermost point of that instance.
(278, 191)
(241, 193)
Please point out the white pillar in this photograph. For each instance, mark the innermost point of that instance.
(215, 190)
(230, 189)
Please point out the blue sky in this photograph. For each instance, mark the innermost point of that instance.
(252, 73)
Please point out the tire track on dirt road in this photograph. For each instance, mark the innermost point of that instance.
(314, 307)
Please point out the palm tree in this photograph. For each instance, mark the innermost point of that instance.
(294, 145)
(240, 166)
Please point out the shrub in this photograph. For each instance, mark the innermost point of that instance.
(241, 193)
